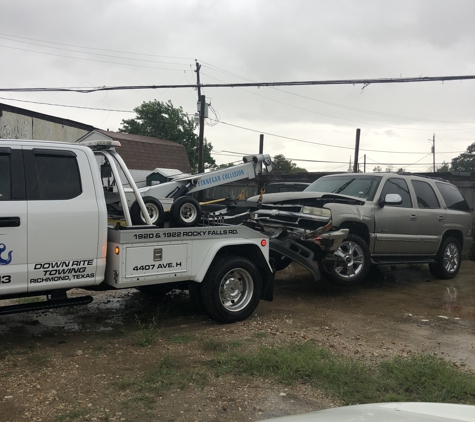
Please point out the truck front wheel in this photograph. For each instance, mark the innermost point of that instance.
(232, 289)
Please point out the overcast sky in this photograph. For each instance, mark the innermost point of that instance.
(90, 43)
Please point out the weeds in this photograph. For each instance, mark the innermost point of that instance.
(146, 334)
(181, 338)
(420, 378)
(39, 359)
(213, 345)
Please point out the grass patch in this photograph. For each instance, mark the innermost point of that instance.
(39, 359)
(74, 415)
(213, 345)
(147, 332)
(420, 378)
(430, 379)
(181, 338)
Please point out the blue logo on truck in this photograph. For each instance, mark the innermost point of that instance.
(2, 260)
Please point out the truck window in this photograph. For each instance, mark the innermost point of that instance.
(53, 176)
(5, 177)
(425, 195)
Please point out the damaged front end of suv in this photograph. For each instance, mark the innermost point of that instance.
(300, 229)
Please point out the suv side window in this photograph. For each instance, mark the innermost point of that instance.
(398, 186)
(5, 178)
(52, 175)
(452, 197)
(425, 195)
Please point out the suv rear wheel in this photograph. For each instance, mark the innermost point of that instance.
(448, 260)
(350, 263)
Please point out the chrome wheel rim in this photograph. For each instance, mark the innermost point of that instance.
(188, 213)
(451, 258)
(349, 260)
(236, 289)
(152, 211)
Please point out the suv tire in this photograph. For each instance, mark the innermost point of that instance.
(448, 260)
(350, 263)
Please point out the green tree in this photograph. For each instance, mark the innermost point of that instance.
(281, 165)
(444, 167)
(466, 160)
(163, 120)
(377, 169)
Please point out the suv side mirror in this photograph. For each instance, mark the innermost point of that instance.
(391, 199)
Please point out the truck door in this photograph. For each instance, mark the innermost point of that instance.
(13, 223)
(63, 219)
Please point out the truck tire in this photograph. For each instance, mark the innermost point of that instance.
(232, 289)
(448, 260)
(154, 208)
(349, 264)
(185, 212)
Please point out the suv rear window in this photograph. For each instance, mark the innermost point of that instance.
(452, 197)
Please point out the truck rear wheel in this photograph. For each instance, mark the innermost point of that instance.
(185, 212)
(154, 209)
(232, 289)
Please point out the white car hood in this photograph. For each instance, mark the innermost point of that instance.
(388, 412)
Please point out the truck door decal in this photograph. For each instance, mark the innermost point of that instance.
(3, 261)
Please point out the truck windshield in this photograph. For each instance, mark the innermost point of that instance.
(360, 187)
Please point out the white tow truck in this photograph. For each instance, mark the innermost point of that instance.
(55, 236)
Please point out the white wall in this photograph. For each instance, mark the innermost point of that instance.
(17, 126)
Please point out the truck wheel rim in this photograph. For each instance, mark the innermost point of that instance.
(451, 258)
(236, 289)
(188, 213)
(349, 260)
(152, 211)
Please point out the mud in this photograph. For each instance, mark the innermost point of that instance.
(396, 311)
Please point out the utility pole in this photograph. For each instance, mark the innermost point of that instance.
(357, 150)
(433, 152)
(201, 102)
(364, 166)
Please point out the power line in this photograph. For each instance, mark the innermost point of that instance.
(94, 54)
(215, 68)
(69, 106)
(364, 82)
(234, 153)
(89, 60)
(93, 48)
(317, 143)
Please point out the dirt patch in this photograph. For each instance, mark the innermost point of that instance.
(108, 361)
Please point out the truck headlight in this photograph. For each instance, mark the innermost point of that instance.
(321, 212)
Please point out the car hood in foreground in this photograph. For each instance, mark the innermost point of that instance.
(388, 412)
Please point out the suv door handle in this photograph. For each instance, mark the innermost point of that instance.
(9, 221)
(413, 217)
(440, 218)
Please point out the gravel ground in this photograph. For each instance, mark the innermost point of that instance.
(92, 363)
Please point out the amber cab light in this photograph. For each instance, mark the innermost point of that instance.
(117, 250)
